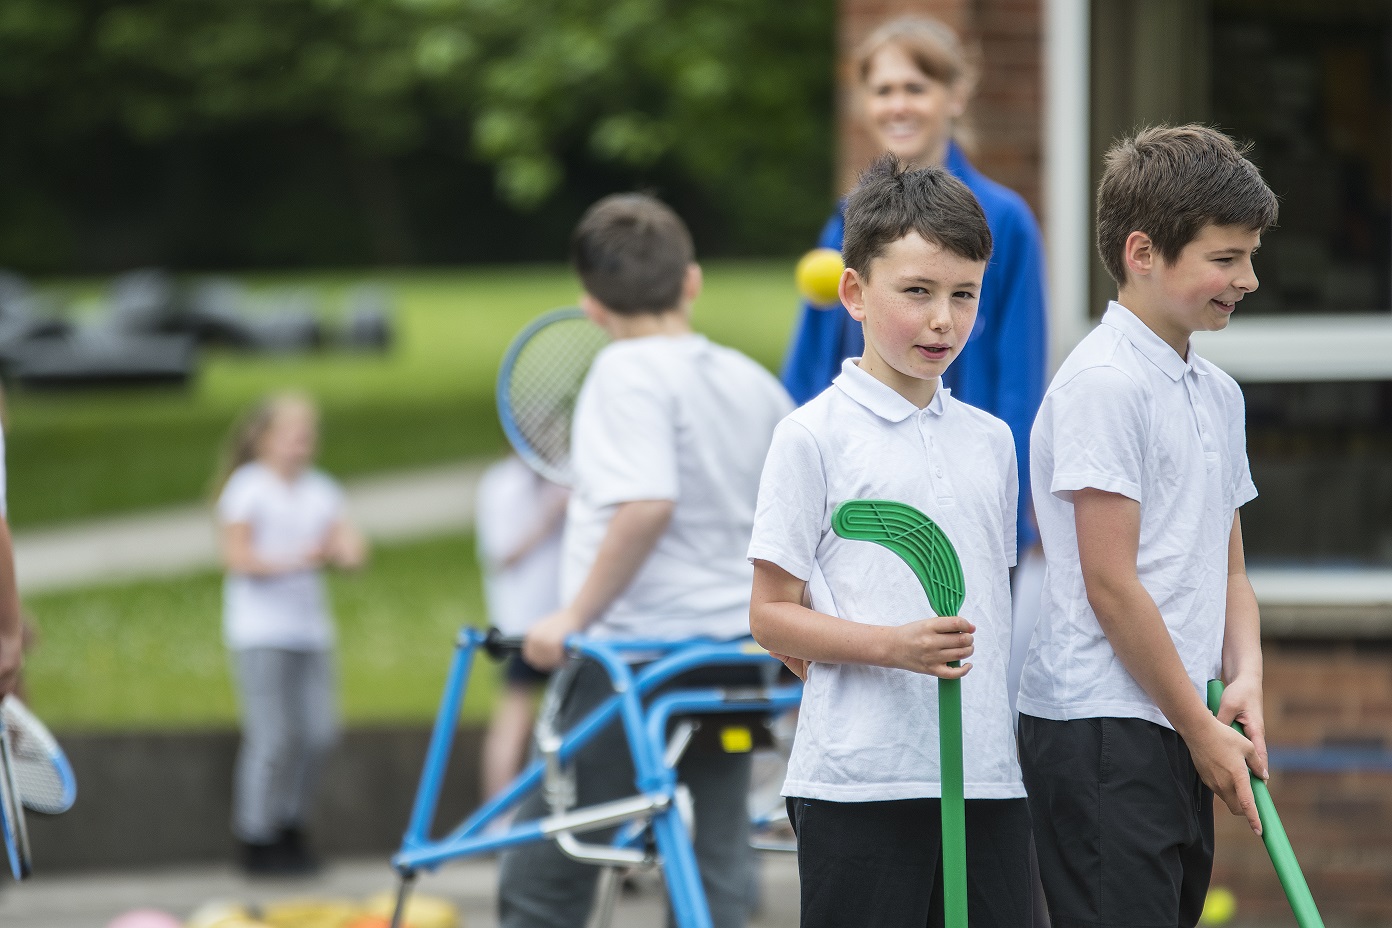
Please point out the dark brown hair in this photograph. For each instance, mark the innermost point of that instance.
(1171, 181)
(889, 202)
(631, 252)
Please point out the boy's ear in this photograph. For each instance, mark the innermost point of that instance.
(1138, 253)
(851, 289)
(594, 310)
(692, 283)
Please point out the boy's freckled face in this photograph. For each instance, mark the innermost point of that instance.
(918, 308)
(1202, 288)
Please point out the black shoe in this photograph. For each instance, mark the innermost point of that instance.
(295, 855)
(262, 858)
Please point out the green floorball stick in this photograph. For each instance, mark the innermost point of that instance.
(921, 544)
(1274, 837)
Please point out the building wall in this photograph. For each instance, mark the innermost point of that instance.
(1007, 110)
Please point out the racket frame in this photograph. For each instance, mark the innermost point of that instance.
(21, 722)
(519, 441)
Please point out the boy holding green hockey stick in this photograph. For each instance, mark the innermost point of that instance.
(864, 781)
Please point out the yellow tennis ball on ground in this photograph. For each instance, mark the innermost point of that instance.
(1219, 907)
(818, 276)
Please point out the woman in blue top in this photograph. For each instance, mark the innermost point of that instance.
(914, 83)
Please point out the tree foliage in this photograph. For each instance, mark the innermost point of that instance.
(728, 99)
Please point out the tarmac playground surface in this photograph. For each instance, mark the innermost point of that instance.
(91, 900)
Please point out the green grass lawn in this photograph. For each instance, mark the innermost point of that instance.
(79, 455)
(150, 656)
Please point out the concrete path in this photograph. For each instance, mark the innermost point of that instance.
(91, 901)
(395, 507)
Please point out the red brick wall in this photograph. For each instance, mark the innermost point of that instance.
(1007, 111)
(1340, 824)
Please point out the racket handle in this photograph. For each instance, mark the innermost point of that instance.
(954, 812)
(1274, 836)
(499, 646)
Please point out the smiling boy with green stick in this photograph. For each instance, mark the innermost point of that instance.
(864, 782)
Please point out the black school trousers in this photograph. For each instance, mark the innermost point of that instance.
(880, 863)
(1122, 823)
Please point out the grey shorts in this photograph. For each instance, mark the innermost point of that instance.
(1122, 823)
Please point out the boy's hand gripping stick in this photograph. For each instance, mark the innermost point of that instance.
(1274, 837)
(921, 544)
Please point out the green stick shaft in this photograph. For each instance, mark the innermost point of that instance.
(954, 810)
(1274, 837)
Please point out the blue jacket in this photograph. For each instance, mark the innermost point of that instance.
(1002, 368)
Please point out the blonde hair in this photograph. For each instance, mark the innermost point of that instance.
(935, 49)
(243, 442)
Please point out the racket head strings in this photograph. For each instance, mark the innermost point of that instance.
(539, 383)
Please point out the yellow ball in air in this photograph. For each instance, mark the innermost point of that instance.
(1219, 907)
(818, 276)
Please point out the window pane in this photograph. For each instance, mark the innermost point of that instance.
(1310, 83)
(1321, 456)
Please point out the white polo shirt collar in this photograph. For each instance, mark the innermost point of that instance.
(1152, 346)
(880, 398)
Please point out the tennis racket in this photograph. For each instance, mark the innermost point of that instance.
(920, 543)
(12, 828)
(44, 780)
(538, 384)
(1274, 836)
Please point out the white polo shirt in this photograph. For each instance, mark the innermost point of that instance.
(871, 733)
(672, 418)
(1128, 415)
(287, 520)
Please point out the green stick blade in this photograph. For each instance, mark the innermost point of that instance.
(915, 538)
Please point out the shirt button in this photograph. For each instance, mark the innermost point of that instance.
(939, 471)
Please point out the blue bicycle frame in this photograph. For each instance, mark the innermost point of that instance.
(658, 800)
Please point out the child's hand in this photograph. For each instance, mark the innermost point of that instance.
(928, 645)
(1242, 702)
(544, 647)
(1222, 757)
(796, 664)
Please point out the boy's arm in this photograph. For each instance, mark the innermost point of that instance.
(11, 628)
(632, 534)
(781, 623)
(1242, 656)
(1109, 529)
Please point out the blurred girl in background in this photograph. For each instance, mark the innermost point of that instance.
(280, 523)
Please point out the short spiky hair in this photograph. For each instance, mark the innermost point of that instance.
(1171, 181)
(631, 252)
(890, 202)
